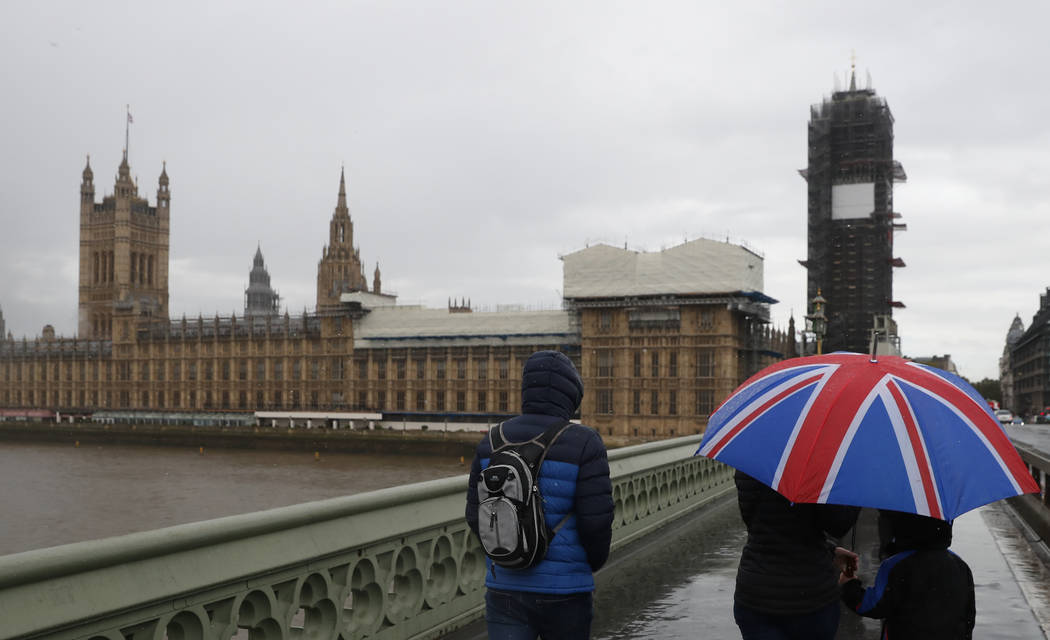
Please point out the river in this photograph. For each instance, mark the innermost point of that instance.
(56, 494)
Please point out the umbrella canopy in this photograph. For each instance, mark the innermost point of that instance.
(846, 429)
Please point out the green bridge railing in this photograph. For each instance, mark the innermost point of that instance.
(395, 563)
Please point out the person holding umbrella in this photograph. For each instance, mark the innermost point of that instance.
(787, 583)
(864, 430)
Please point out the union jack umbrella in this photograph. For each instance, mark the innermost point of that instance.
(847, 429)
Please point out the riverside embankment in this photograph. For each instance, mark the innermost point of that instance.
(384, 441)
(435, 442)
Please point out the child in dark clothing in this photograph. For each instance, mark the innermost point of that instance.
(922, 589)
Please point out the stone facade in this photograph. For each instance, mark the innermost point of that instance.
(1006, 375)
(655, 362)
(660, 367)
(1030, 363)
(123, 252)
(340, 271)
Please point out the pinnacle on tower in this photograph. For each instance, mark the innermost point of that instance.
(853, 72)
(341, 203)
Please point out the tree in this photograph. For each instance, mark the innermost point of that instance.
(990, 389)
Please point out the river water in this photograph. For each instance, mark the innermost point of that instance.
(56, 494)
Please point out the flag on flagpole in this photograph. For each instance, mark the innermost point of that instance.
(130, 119)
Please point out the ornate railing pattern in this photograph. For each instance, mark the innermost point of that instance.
(396, 563)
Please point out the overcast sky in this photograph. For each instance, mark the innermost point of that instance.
(482, 140)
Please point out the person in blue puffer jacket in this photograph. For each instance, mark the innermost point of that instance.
(552, 599)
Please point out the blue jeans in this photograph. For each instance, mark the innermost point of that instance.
(521, 615)
(817, 625)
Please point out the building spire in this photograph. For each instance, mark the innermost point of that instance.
(341, 204)
(853, 71)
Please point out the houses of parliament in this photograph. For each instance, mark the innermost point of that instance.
(660, 338)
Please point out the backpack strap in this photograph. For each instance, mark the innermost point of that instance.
(547, 438)
(534, 450)
(496, 439)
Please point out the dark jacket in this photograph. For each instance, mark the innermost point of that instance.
(574, 478)
(923, 590)
(786, 567)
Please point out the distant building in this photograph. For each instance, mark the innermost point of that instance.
(1006, 375)
(666, 336)
(660, 338)
(340, 271)
(1030, 362)
(259, 298)
(851, 219)
(123, 252)
(941, 362)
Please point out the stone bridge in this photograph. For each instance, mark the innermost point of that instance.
(396, 563)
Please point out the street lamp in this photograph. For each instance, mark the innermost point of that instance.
(818, 322)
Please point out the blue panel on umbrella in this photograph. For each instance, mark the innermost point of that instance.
(742, 397)
(757, 449)
(967, 474)
(962, 384)
(873, 455)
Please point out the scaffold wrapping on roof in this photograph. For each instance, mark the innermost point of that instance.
(430, 327)
(697, 267)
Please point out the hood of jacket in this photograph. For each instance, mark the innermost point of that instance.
(910, 531)
(550, 385)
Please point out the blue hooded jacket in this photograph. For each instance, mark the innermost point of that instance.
(574, 479)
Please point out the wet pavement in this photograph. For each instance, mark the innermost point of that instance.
(1035, 435)
(682, 586)
(678, 583)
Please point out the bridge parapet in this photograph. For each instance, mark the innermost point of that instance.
(395, 563)
(1035, 508)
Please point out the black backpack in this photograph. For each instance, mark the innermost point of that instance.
(511, 525)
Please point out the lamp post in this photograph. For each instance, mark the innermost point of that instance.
(818, 322)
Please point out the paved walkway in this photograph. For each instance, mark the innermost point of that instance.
(679, 583)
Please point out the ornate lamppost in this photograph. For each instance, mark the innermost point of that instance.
(817, 321)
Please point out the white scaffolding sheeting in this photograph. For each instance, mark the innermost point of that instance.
(697, 267)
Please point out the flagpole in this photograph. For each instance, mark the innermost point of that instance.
(127, 127)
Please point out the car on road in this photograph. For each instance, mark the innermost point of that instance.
(1005, 416)
(1017, 421)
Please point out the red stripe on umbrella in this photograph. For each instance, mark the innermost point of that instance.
(758, 412)
(918, 449)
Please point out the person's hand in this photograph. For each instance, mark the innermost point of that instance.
(846, 563)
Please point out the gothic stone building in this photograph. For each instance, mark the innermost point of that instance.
(660, 338)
